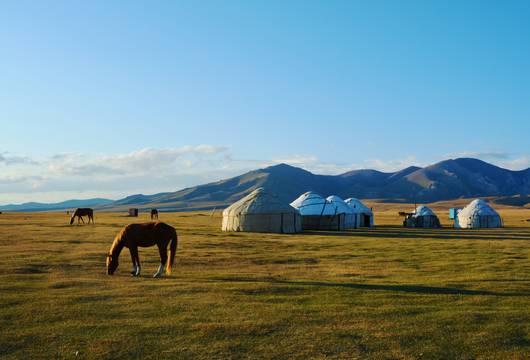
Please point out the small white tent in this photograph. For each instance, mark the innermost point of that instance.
(350, 218)
(318, 213)
(478, 214)
(422, 217)
(365, 216)
(261, 211)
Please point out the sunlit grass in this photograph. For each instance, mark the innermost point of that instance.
(386, 292)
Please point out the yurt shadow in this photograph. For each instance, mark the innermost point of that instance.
(395, 232)
(416, 289)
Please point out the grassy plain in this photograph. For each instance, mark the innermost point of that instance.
(385, 293)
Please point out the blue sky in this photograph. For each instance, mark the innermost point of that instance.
(107, 98)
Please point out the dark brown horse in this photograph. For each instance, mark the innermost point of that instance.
(80, 212)
(134, 236)
(154, 214)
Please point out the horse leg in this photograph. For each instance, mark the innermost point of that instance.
(135, 260)
(82, 220)
(163, 261)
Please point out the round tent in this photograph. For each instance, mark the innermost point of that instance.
(350, 218)
(422, 217)
(318, 213)
(478, 214)
(261, 211)
(311, 203)
(365, 216)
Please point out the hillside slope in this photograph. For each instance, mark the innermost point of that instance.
(446, 180)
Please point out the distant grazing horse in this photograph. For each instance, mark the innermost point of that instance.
(80, 212)
(154, 214)
(133, 236)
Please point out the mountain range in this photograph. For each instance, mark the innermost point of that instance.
(445, 180)
(68, 204)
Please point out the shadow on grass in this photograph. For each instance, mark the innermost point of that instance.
(417, 289)
(443, 233)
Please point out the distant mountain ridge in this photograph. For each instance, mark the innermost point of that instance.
(445, 180)
(68, 204)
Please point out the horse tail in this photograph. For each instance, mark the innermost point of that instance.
(172, 251)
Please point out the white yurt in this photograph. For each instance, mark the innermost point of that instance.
(365, 216)
(261, 211)
(422, 217)
(318, 213)
(478, 214)
(350, 218)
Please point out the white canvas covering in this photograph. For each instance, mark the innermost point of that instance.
(365, 216)
(423, 210)
(350, 218)
(261, 211)
(311, 203)
(478, 214)
(318, 213)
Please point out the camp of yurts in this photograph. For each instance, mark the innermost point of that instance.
(478, 214)
(318, 213)
(350, 218)
(422, 217)
(261, 211)
(365, 215)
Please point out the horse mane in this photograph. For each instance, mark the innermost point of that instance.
(74, 214)
(117, 244)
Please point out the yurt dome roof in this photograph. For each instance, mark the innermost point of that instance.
(260, 201)
(340, 205)
(311, 203)
(423, 210)
(358, 206)
(478, 207)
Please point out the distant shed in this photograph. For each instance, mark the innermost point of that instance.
(133, 212)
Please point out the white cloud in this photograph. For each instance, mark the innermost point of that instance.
(151, 170)
(518, 163)
(313, 164)
(146, 170)
(503, 159)
(393, 164)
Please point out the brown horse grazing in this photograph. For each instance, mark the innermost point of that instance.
(154, 214)
(80, 212)
(133, 236)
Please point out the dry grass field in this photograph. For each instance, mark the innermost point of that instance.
(383, 293)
